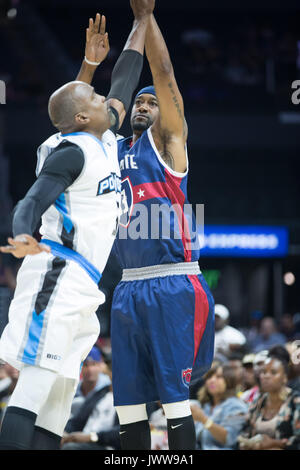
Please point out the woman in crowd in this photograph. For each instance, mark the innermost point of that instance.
(218, 414)
(274, 418)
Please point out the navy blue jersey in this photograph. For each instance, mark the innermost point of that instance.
(156, 206)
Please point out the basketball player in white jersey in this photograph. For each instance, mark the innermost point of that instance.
(52, 321)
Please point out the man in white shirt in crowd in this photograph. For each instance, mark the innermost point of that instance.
(227, 338)
(94, 423)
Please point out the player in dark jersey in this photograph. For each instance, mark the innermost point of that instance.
(167, 319)
(162, 311)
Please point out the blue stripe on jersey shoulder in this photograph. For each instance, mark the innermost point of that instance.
(90, 135)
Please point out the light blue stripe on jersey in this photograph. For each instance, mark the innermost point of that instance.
(61, 206)
(66, 253)
(34, 334)
(90, 135)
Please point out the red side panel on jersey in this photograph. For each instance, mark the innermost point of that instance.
(201, 312)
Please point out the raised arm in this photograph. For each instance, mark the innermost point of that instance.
(170, 130)
(96, 48)
(127, 70)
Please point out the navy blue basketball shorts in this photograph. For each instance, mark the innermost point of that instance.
(162, 330)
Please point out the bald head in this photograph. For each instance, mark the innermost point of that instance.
(66, 102)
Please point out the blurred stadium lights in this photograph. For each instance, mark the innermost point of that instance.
(289, 278)
(12, 13)
(8, 8)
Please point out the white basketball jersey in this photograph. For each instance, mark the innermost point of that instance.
(85, 217)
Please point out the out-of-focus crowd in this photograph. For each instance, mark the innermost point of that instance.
(249, 399)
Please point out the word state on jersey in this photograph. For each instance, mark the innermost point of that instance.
(154, 221)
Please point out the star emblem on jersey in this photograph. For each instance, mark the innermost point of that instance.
(141, 193)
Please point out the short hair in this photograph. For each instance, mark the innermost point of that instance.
(64, 104)
(282, 355)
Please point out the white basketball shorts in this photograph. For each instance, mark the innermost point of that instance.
(52, 320)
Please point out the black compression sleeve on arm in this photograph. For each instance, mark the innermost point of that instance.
(29, 211)
(125, 76)
(65, 163)
(60, 170)
(114, 119)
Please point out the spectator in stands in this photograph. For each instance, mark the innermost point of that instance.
(227, 338)
(235, 363)
(159, 429)
(252, 330)
(294, 372)
(249, 383)
(94, 423)
(287, 353)
(274, 418)
(287, 326)
(296, 320)
(268, 335)
(219, 414)
(7, 277)
(91, 380)
(251, 394)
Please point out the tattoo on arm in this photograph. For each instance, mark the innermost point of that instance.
(175, 100)
(166, 154)
(168, 159)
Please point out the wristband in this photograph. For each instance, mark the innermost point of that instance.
(90, 62)
(209, 422)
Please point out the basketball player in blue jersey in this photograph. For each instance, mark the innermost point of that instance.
(163, 312)
(52, 322)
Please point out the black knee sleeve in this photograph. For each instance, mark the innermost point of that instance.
(45, 440)
(17, 428)
(135, 436)
(181, 433)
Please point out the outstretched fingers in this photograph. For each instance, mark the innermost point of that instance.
(97, 23)
(103, 25)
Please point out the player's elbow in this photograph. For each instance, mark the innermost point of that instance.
(164, 68)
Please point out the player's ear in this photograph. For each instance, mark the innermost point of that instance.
(82, 118)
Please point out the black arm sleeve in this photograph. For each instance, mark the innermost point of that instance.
(61, 169)
(114, 119)
(125, 76)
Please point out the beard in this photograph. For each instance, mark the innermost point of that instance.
(141, 125)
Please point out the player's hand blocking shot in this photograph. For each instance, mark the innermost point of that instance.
(96, 47)
(97, 43)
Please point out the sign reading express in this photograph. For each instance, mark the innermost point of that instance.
(249, 241)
